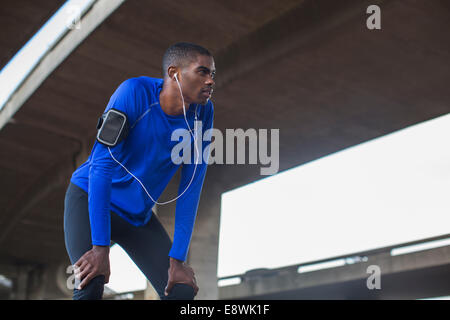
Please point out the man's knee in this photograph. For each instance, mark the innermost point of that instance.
(180, 291)
(92, 291)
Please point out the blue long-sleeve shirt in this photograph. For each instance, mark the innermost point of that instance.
(146, 152)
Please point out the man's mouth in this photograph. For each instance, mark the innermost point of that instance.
(207, 92)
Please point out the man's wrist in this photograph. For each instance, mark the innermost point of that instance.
(100, 248)
(175, 261)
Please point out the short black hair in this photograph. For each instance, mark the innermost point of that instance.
(181, 53)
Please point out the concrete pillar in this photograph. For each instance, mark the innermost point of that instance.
(166, 212)
(36, 285)
(60, 280)
(20, 283)
(29, 282)
(203, 254)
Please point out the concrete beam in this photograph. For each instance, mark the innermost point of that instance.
(89, 22)
(289, 280)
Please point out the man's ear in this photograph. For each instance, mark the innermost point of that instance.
(171, 72)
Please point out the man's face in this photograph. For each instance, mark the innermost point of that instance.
(197, 80)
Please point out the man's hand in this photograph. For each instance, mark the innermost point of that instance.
(93, 263)
(180, 272)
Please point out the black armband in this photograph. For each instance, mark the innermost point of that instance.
(112, 127)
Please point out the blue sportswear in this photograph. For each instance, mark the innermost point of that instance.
(146, 152)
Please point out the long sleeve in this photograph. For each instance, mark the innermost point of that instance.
(126, 99)
(187, 204)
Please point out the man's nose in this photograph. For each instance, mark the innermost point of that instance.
(210, 81)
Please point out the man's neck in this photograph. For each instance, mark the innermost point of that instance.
(171, 102)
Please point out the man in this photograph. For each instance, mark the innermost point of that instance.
(110, 196)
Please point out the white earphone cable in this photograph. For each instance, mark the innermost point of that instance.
(195, 145)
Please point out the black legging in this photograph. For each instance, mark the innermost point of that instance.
(148, 246)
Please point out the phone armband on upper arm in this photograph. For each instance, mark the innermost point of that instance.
(112, 127)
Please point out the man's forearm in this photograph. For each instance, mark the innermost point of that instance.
(99, 198)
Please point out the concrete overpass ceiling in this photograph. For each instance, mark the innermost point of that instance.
(309, 68)
(344, 86)
(57, 123)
